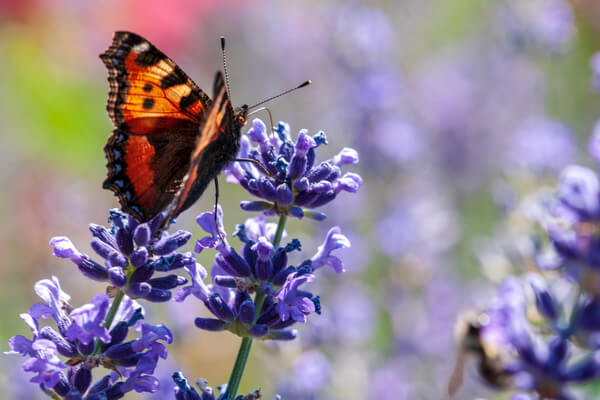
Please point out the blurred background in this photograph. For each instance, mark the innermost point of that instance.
(459, 110)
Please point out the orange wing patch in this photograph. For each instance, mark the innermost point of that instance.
(170, 140)
(139, 164)
(145, 83)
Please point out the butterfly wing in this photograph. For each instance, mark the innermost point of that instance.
(217, 145)
(157, 112)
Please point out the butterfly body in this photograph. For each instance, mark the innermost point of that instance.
(170, 139)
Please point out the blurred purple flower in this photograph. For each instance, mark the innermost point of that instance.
(353, 313)
(543, 146)
(422, 224)
(355, 29)
(310, 374)
(594, 142)
(399, 140)
(537, 357)
(548, 24)
(595, 66)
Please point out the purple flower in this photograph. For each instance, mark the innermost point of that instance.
(334, 240)
(536, 357)
(579, 189)
(132, 253)
(88, 321)
(199, 289)
(64, 248)
(87, 343)
(184, 391)
(291, 182)
(293, 304)
(56, 302)
(258, 227)
(258, 267)
(46, 363)
(206, 221)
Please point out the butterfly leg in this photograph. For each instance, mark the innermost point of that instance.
(270, 118)
(215, 210)
(255, 162)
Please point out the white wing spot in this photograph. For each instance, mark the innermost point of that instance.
(142, 47)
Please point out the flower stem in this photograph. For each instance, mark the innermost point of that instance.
(113, 309)
(238, 368)
(110, 316)
(52, 394)
(279, 231)
(242, 357)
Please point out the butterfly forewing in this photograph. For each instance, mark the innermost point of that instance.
(145, 84)
(170, 140)
(157, 112)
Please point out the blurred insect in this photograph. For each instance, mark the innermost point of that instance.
(489, 361)
(170, 139)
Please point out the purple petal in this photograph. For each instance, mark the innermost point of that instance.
(304, 143)
(19, 344)
(87, 321)
(334, 240)
(64, 248)
(350, 182)
(346, 156)
(258, 134)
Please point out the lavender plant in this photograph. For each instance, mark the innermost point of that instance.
(540, 333)
(254, 292)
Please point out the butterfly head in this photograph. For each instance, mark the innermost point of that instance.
(241, 115)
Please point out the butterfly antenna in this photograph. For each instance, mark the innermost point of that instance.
(308, 82)
(225, 66)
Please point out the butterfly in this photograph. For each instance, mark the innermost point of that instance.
(170, 139)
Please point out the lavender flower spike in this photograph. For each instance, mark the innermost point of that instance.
(132, 253)
(293, 183)
(83, 339)
(258, 267)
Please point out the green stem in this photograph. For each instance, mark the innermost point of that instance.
(258, 303)
(110, 316)
(279, 231)
(52, 394)
(238, 368)
(244, 351)
(113, 309)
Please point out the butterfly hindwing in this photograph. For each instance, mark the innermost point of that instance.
(157, 112)
(145, 171)
(217, 145)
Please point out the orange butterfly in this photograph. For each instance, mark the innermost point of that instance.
(170, 139)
